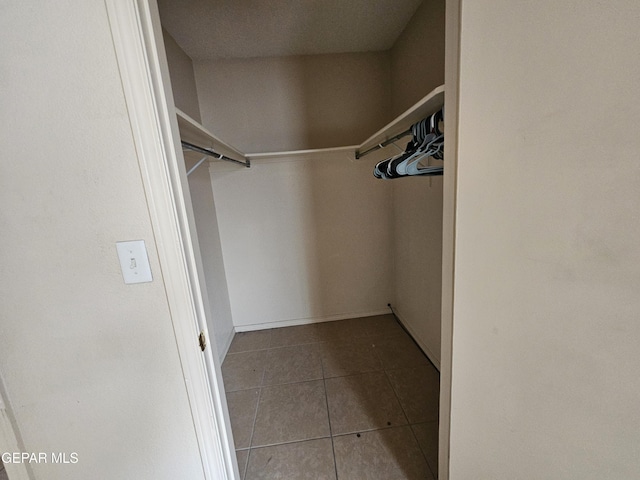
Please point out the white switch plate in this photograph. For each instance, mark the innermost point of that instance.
(134, 261)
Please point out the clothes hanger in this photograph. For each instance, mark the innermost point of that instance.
(427, 141)
(431, 138)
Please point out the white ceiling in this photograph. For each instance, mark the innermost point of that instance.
(210, 29)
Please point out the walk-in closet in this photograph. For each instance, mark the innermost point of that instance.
(246, 333)
(312, 134)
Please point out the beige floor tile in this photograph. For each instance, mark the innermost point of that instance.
(382, 326)
(242, 456)
(297, 335)
(242, 411)
(427, 435)
(362, 402)
(362, 325)
(289, 413)
(418, 389)
(399, 352)
(241, 371)
(341, 360)
(389, 454)
(249, 341)
(310, 460)
(343, 332)
(292, 364)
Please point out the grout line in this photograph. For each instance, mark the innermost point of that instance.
(424, 454)
(255, 418)
(246, 351)
(326, 398)
(386, 373)
(333, 435)
(255, 387)
(372, 429)
(246, 464)
(367, 338)
(421, 450)
(290, 442)
(293, 382)
(409, 424)
(406, 417)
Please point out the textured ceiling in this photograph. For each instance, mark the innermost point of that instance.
(210, 29)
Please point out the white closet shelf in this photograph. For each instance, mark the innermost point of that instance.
(431, 103)
(300, 153)
(191, 131)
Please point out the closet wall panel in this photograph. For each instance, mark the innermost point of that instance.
(219, 321)
(417, 61)
(183, 81)
(417, 57)
(546, 331)
(417, 214)
(304, 239)
(295, 103)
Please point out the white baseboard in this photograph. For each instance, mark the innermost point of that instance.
(306, 321)
(427, 351)
(330, 318)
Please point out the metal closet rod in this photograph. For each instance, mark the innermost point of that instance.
(211, 153)
(383, 144)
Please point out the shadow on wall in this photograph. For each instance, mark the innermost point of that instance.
(304, 238)
(295, 103)
(349, 236)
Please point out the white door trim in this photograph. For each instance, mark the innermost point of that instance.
(139, 48)
(9, 441)
(451, 76)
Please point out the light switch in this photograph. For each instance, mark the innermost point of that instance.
(134, 261)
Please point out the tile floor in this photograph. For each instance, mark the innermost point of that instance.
(346, 400)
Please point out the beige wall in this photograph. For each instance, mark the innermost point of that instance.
(417, 256)
(183, 81)
(219, 321)
(417, 66)
(293, 103)
(90, 364)
(304, 239)
(546, 331)
(185, 95)
(417, 57)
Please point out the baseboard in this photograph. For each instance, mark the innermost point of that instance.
(427, 351)
(306, 321)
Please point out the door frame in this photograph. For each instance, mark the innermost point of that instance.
(10, 439)
(450, 193)
(139, 49)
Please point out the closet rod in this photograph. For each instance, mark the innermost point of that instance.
(383, 144)
(211, 153)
